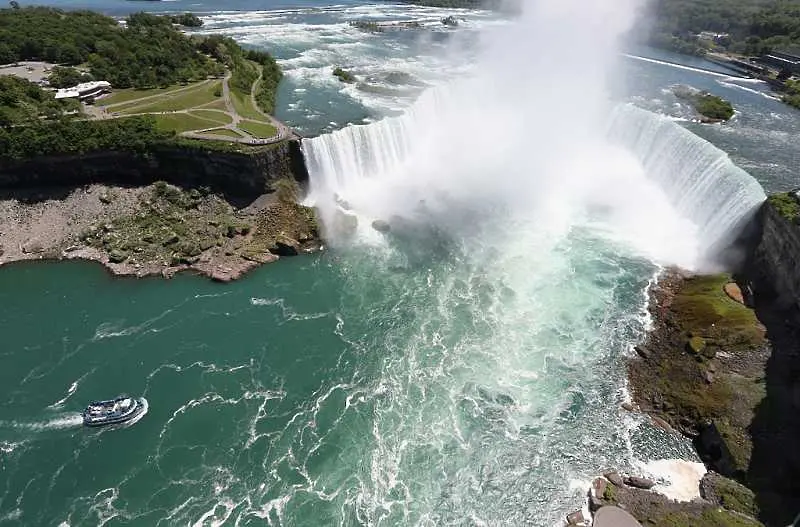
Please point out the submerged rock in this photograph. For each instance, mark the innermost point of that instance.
(381, 226)
(343, 203)
(343, 223)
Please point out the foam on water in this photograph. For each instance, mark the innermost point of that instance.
(528, 230)
(677, 479)
(309, 43)
(65, 420)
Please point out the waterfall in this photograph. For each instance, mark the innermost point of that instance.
(700, 181)
(354, 154)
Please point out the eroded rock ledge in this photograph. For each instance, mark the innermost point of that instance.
(158, 229)
(179, 208)
(704, 372)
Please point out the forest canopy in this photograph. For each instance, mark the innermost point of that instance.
(146, 51)
(754, 26)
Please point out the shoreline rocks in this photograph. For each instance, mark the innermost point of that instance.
(699, 372)
(725, 504)
(157, 230)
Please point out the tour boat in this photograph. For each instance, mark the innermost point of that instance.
(122, 409)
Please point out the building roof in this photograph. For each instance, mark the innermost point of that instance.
(80, 89)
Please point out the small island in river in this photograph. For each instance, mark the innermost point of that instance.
(710, 108)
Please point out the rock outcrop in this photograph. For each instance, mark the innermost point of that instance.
(225, 212)
(773, 268)
(248, 172)
(616, 504)
(773, 275)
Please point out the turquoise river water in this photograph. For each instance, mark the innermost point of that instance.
(464, 369)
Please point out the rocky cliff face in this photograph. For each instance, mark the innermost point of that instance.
(774, 268)
(773, 272)
(246, 173)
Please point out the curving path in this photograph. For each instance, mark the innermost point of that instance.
(283, 131)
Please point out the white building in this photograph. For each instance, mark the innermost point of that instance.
(84, 90)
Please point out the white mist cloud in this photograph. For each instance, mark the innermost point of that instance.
(526, 135)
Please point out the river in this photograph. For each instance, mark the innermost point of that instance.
(466, 368)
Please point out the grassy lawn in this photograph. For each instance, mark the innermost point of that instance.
(224, 132)
(131, 94)
(182, 122)
(219, 104)
(212, 115)
(244, 106)
(180, 101)
(258, 129)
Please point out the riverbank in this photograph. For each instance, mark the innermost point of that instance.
(720, 366)
(706, 371)
(157, 229)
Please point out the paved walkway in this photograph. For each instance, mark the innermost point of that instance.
(282, 131)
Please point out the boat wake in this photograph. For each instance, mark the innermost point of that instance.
(66, 420)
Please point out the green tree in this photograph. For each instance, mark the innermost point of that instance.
(66, 77)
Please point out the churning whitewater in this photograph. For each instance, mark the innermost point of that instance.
(456, 358)
(520, 218)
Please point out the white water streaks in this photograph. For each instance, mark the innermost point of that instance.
(391, 67)
(60, 421)
(525, 211)
(681, 66)
(71, 390)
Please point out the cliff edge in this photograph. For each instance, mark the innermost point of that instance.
(169, 209)
(722, 366)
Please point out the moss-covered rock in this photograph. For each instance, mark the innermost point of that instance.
(652, 509)
(704, 310)
(343, 75)
(710, 517)
(117, 256)
(729, 494)
(696, 344)
(170, 225)
(705, 358)
(786, 205)
(711, 107)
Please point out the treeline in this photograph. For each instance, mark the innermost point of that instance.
(186, 20)
(22, 102)
(792, 95)
(754, 26)
(66, 77)
(34, 123)
(471, 4)
(246, 65)
(508, 6)
(77, 137)
(271, 75)
(146, 51)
